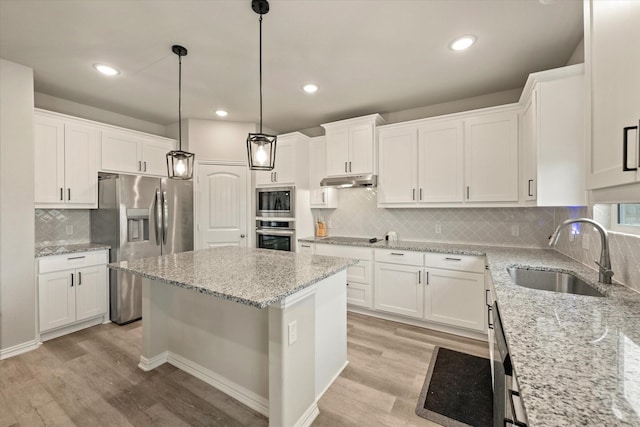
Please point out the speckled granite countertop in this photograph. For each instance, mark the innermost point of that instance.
(577, 358)
(43, 251)
(257, 277)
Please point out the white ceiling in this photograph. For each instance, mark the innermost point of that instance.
(366, 55)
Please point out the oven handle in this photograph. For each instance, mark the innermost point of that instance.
(276, 232)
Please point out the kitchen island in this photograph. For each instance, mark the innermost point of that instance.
(266, 327)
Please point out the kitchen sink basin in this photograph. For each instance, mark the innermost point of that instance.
(554, 281)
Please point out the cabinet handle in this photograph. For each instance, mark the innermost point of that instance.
(345, 167)
(486, 297)
(625, 147)
(421, 194)
(69, 194)
(427, 278)
(489, 311)
(275, 177)
(529, 189)
(305, 246)
(419, 277)
(139, 165)
(413, 194)
(349, 166)
(72, 280)
(61, 193)
(79, 278)
(396, 253)
(75, 257)
(453, 259)
(467, 192)
(323, 197)
(145, 166)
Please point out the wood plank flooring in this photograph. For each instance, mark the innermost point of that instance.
(90, 378)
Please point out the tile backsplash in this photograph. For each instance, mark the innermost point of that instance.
(61, 226)
(624, 248)
(358, 215)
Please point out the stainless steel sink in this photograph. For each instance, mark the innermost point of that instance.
(554, 281)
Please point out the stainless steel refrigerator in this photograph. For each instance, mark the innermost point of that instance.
(140, 217)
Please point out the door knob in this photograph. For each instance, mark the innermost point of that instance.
(242, 236)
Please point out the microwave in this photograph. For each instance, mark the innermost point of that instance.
(276, 202)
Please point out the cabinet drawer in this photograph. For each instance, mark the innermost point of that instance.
(470, 263)
(399, 257)
(344, 251)
(360, 273)
(359, 294)
(71, 261)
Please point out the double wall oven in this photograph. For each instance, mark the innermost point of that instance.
(275, 218)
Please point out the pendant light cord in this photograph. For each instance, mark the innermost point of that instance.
(180, 102)
(260, 73)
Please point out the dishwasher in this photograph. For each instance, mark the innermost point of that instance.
(507, 405)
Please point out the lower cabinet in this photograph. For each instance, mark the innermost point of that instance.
(72, 289)
(399, 289)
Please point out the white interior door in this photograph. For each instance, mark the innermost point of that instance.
(221, 204)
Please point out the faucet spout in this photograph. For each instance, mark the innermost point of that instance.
(604, 265)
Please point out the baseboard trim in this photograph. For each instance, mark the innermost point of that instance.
(309, 416)
(241, 394)
(332, 381)
(74, 327)
(15, 350)
(153, 362)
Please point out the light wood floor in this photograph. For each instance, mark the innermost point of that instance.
(90, 378)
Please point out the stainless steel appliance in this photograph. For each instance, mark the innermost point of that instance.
(276, 202)
(507, 406)
(278, 234)
(140, 217)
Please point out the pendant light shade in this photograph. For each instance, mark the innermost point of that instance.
(180, 163)
(261, 148)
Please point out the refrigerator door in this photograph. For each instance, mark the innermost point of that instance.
(177, 216)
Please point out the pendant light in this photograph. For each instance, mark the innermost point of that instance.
(261, 148)
(180, 163)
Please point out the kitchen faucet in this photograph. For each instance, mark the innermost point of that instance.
(605, 261)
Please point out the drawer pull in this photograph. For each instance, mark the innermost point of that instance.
(79, 278)
(75, 257)
(396, 253)
(72, 280)
(453, 259)
(305, 246)
(419, 277)
(427, 281)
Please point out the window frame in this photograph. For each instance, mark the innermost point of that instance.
(621, 228)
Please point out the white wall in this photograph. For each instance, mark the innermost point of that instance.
(17, 272)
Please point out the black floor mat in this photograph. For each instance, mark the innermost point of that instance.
(457, 390)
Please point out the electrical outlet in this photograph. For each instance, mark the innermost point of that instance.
(293, 332)
(515, 230)
(438, 228)
(69, 230)
(585, 242)
(329, 224)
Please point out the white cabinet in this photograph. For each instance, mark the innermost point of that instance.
(491, 157)
(421, 163)
(72, 289)
(552, 138)
(359, 276)
(321, 197)
(133, 152)
(291, 156)
(398, 287)
(65, 162)
(306, 248)
(612, 62)
(350, 146)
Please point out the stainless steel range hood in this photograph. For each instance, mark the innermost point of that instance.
(350, 181)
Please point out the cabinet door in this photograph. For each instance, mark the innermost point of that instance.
(359, 295)
(264, 177)
(57, 299)
(398, 289)
(321, 197)
(284, 172)
(81, 177)
(529, 148)
(91, 291)
(398, 166)
(491, 152)
(154, 157)
(455, 298)
(614, 64)
(441, 162)
(337, 146)
(361, 150)
(120, 152)
(49, 160)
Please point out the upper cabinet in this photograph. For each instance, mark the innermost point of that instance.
(612, 62)
(134, 152)
(321, 197)
(291, 162)
(491, 157)
(65, 162)
(350, 146)
(552, 138)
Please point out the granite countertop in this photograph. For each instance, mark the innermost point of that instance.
(42, 251)
(576, 358)
(256, 277)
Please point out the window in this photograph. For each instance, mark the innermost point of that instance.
(625, 218)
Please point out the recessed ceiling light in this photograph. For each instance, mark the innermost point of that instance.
(310, 88)
(221, 113)
(462, 43)
(106, 69)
